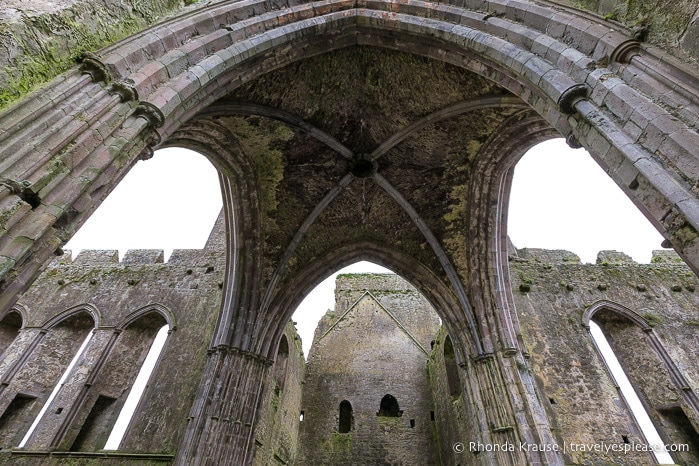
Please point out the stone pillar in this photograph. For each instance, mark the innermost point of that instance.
(223, 418)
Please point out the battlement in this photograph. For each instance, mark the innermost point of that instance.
(110, 257)
(606, 257)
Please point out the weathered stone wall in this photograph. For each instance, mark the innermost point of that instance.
(370, 345)
(553, 290)
(185, 293)
(276, 434)
(453, 412)
(360, 354)
(670, 25)
(39, 39)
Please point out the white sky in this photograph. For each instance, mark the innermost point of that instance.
(561, 199)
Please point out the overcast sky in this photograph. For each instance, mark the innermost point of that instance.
(560, 200)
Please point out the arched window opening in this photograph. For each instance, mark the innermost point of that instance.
(152, 347)
(106, 406)
(346, 419)
(557, 179)
(148, 207)
(72, 331)
(453, 380)
(280, 364)
(629, 394)
(9, 328)
(374, 337)
(389, 407)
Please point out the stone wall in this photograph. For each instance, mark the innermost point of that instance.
(122, 305)
(381, 339)
(670, 25)
(373, 344)
(276, 434)
(39, 39)
(553, 291)
(453, 411)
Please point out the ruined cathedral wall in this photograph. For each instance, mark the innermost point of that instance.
(359, 355)
(552, 292)
(669, 25)
(130, 300)
(276, 434)
(454, 415)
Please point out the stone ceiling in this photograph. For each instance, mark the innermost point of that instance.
(371, 139)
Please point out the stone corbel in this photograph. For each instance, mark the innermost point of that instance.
(625, 51)
(679, 230)
(152, 140)
(569, 97)
(91, 64)
(151, 113)
(125, 91)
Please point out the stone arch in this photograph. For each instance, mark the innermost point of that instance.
(241, 207)
(87, 308)
(140, 92)
(97, 406)
(676, 422)
(51, 351)
(440, 296)
(10, 325)
(161, 310)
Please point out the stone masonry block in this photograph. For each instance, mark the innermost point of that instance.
(97, 257)
(143, 256)
(613, 257)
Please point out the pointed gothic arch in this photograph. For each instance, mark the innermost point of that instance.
(152, 87)
(673, 423)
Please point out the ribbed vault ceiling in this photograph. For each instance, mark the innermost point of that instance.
(363, 144)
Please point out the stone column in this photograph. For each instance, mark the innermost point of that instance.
(223, 418)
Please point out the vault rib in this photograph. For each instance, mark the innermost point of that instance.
(447, 112)
(439, 252)
(238, 108)
(296, 240)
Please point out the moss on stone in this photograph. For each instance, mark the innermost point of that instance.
(43, 46)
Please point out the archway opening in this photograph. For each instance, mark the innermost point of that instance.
(9, 329)
(280, 364)
(72, 334)
(138, 387)
(168, 202)
(322, 298)
(560, 198)
(389, 407)
(453, 381)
